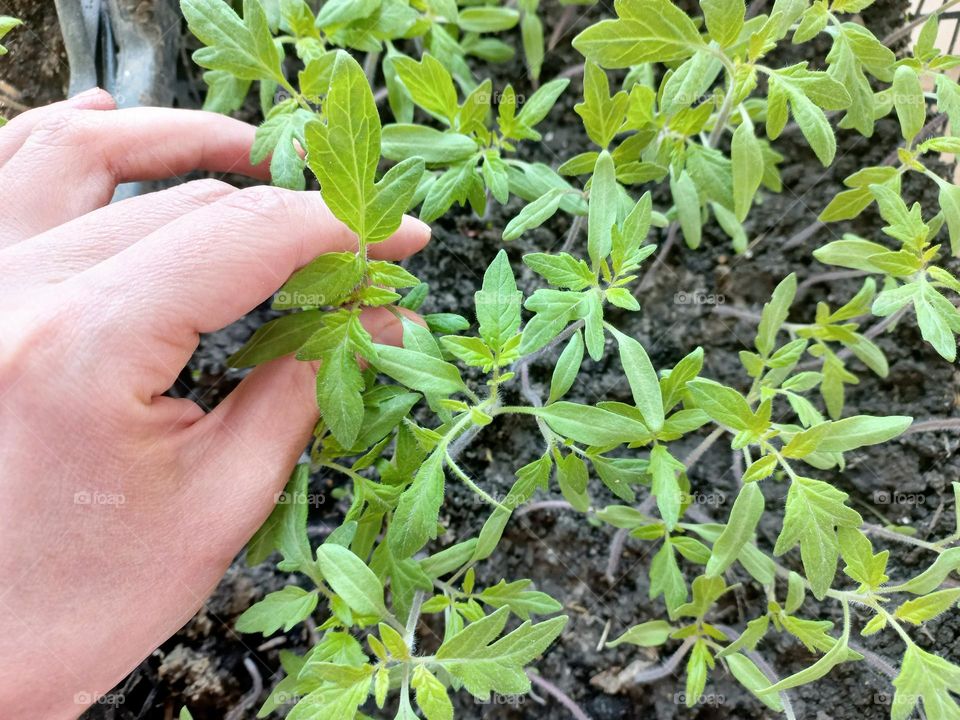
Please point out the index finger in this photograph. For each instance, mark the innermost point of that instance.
(211, 266)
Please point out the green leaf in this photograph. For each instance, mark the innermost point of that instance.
(862, 430)
(572, 478)
(949, 200)
(402, 141)
(430, 85)
(666, 578)
(541, 102)
(392, 196)
(938, 319)
(567, 367)
(644, 383)
(921, 609)
(554, 309)
(244, 48)
(909, 102)
(724, 19)
(930, 579)
(645, 31)
(602, 114)
(487, 19)
(344, 153)
(284, 608)
(286, 528)
(276, 137)
(744, 516)
(686, 199)
(326, 280)
(498, 303)
(351, 579)
(665, 486)
(747, 158)
(928, 678)
(415, 519)
(418, 371)
(648, 634)
(603, 205)
(431, 695)
(753, 679)
(534, 214)
(277, 338)
(590, 425)
(775, 314)
(341, 12)
(519, 599)
(561, 269)
(814, 510)
(723, 404)
(7, 24)
(484, 664)
(339, 381)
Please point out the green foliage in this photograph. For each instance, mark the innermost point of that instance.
(7, 24)
(692, 123)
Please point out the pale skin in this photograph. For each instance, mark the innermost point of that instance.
(120, 508)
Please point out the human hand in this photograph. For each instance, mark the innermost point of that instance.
(122, 508)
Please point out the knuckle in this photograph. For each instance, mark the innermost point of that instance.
(31, 336)
(263, 202)
(63, 129)
(204, 190)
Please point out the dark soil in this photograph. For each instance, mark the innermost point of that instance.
(35, 71)
(566, 556)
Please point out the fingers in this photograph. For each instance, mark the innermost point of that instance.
(255, 436)
(78, 245)
(205, 269)
(17, 130)
(78, 157)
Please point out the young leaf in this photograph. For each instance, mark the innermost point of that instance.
(244, 48)
(744, 516)
(602, 215)
(643, 381)
(645, 31)
(484, 664)
(415, 519)
(567, 368)
(498, 303)
(814, 510)
(724, 19)
(648, 634)
(431, 695)
(419, 371)
(351, 579)
(284, 608)
(928, 678)
(686, 199)
(775, 314)
(747, 159)
(535, 214)
(344, 153)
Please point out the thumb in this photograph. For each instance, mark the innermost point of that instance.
(250, 442)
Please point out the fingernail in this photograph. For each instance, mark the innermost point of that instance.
(83, 97)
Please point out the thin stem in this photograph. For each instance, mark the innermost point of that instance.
(702, 448)
(667, 668)
(919, 20)
(466, 480)
(550, 689)
(897, 537)
(933, 425)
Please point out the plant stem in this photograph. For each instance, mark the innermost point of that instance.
(558, 694)
(466, 480)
